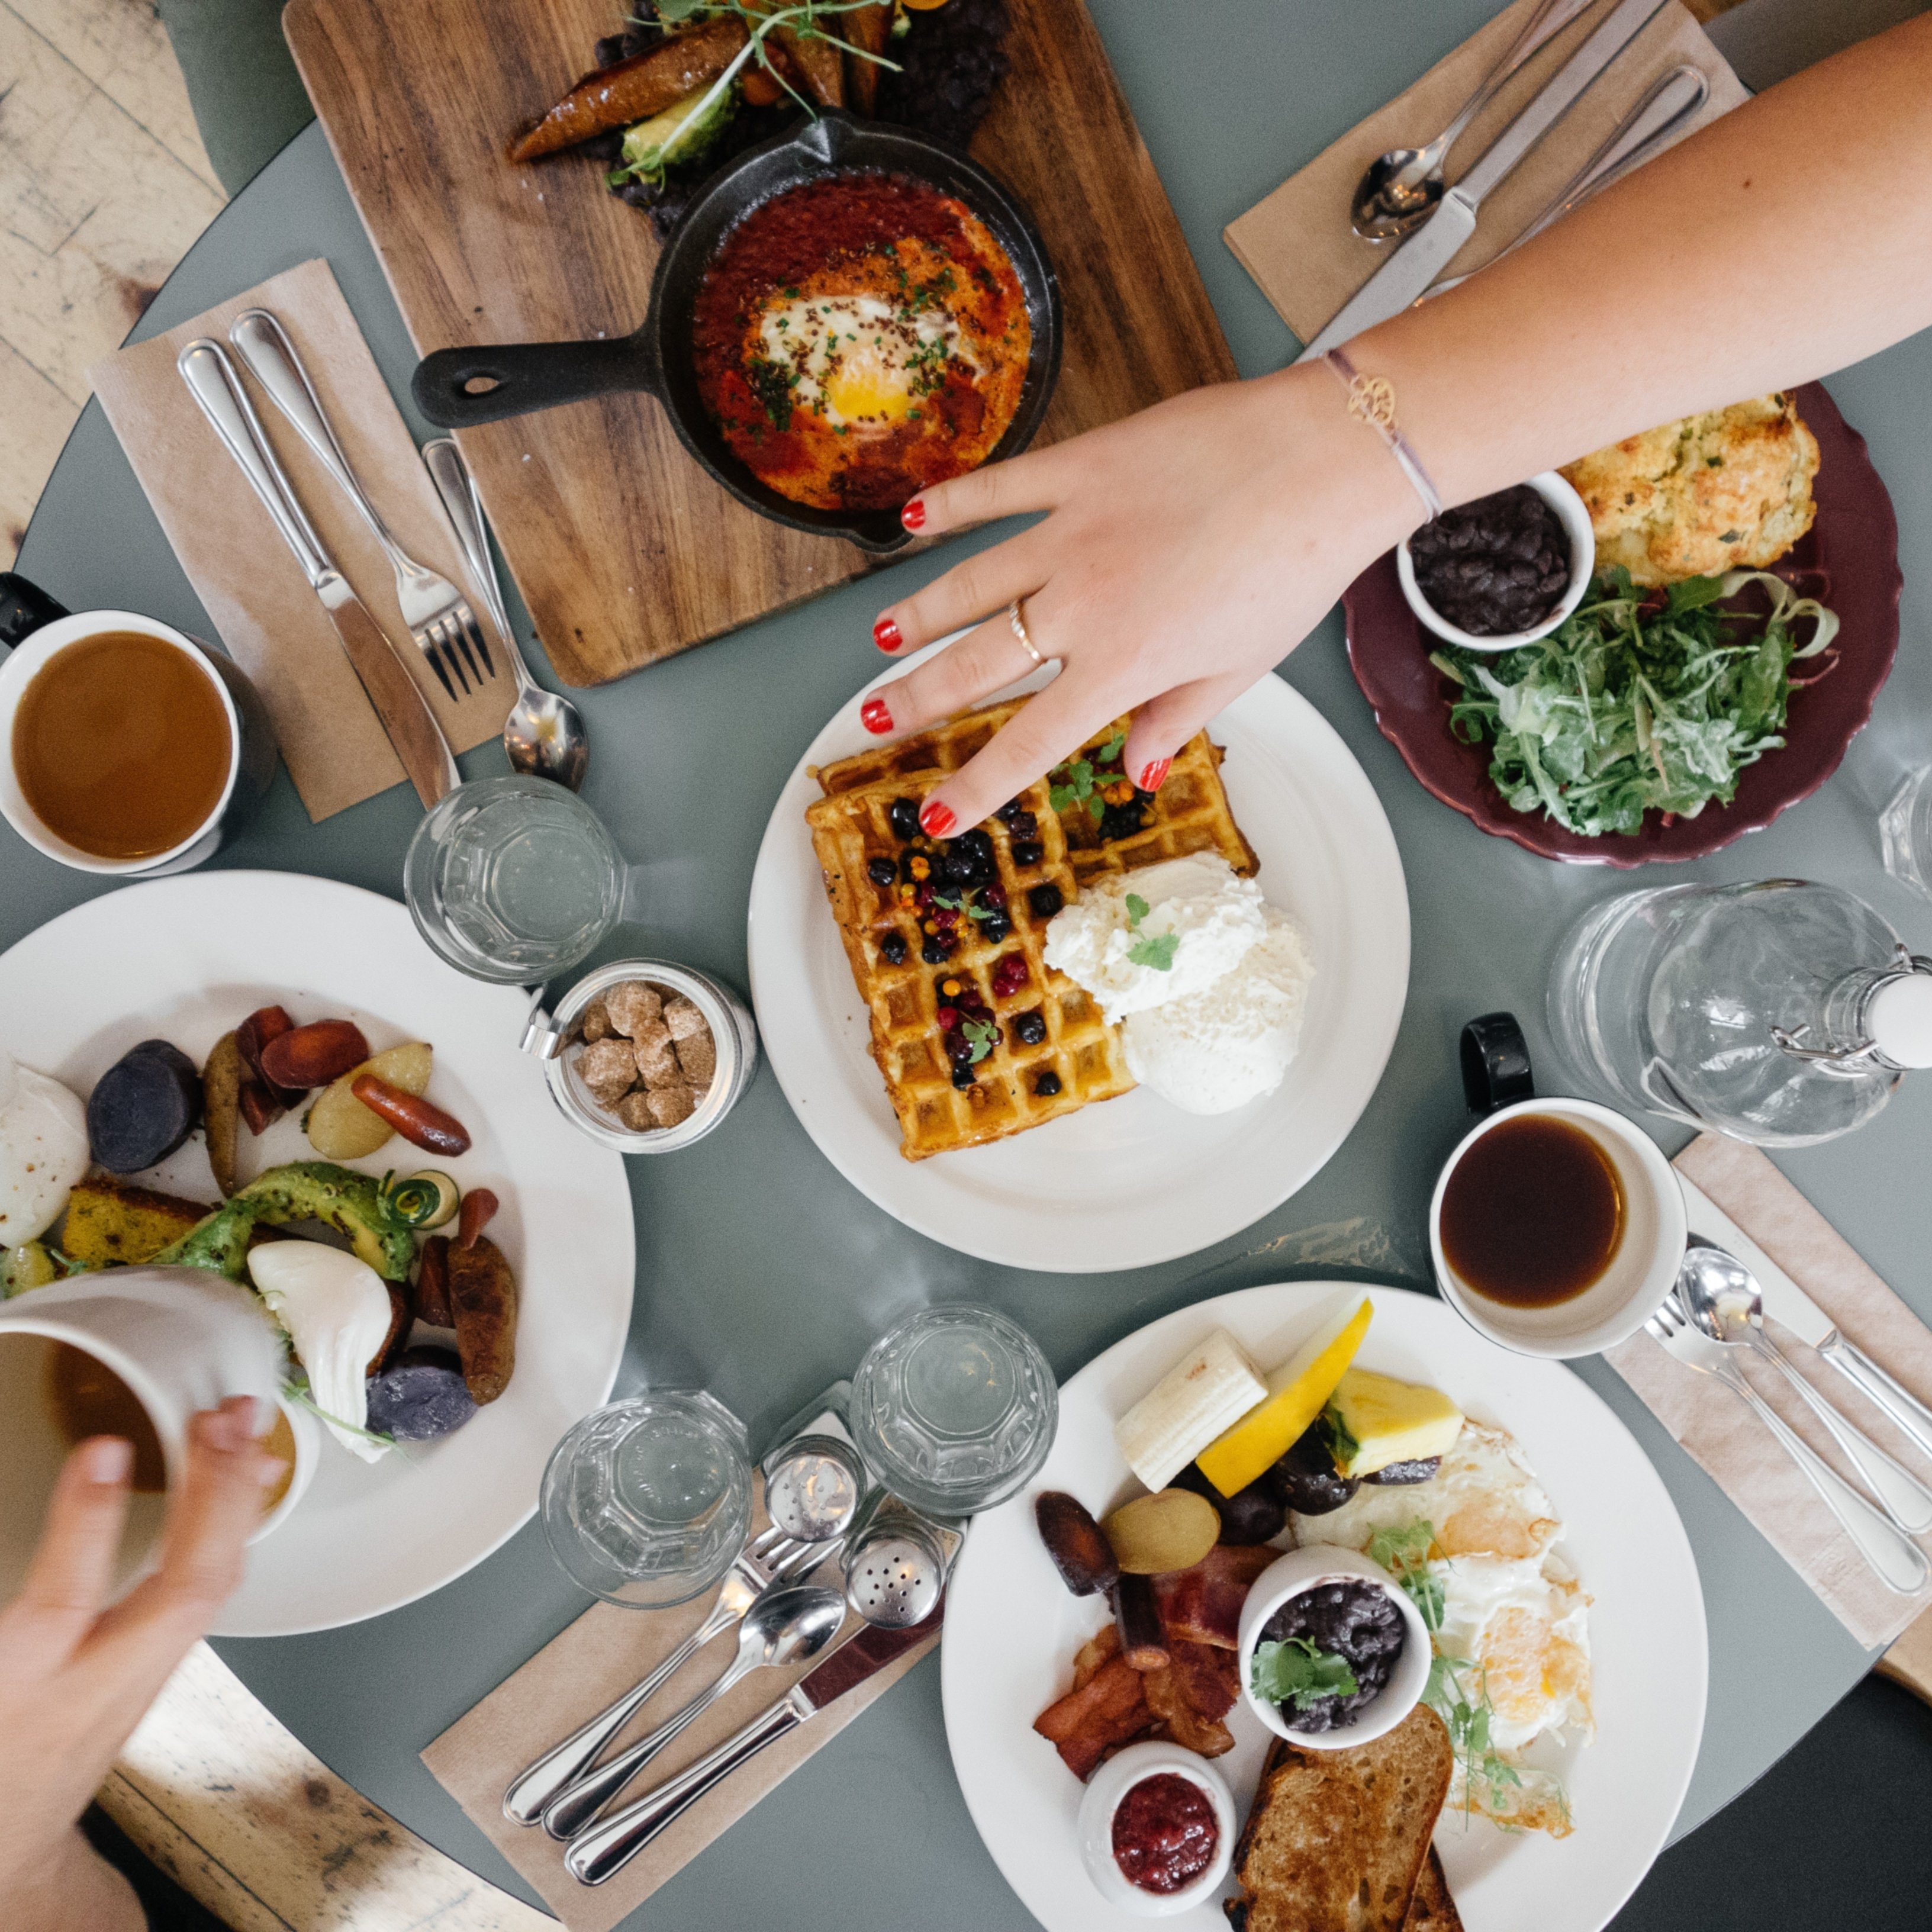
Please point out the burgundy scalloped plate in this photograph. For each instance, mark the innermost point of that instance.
(1849, 560)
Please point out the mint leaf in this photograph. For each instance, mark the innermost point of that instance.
(1157, 951)
(1137, 909)
(1297, 1671)
(1112, 749)
(980, 1035)
(1097, 808)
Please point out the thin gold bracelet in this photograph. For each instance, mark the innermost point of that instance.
(1372, 400)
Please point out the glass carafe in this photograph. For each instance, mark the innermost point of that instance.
(1780, 1012)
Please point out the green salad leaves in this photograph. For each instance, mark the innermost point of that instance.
(1640, 701)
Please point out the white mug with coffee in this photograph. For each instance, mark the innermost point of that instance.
(128, 747)
(133, 1352)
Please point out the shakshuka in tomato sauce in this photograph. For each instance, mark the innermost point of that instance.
(858, 337)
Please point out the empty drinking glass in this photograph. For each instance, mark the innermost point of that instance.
(646, 1502)
(955, 1408)
(1905, 831)
(514, 879)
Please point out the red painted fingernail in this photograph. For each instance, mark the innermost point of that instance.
(874, 715)
(914, 515)
(1155, 776)
(886, 635)
(936, 820)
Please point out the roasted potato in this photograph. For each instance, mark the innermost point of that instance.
(340, 1127)
(221, 1109)
(483, 1299)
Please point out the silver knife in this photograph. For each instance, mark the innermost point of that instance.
(405, 714)
(1792, 1308)
(605, 1848)
(1401, 279)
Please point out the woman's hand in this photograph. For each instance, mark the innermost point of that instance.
(76, 1675)
(1187, 551)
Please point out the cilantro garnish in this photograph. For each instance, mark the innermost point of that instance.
(1298, 1670)
(980, 1035)
(1080, 785)
(1137, 909)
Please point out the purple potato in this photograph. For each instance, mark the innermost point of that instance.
(422, 1396)
(1417, 1470)
(1250, 1515)
(1305, 1479)
(143, 1107)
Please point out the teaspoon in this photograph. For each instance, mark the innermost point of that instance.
(1400, 189)
(544, 734)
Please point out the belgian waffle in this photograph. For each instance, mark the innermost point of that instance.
(1005, 978)
(1189, 813)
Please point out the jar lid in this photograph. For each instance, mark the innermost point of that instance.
(1900, 1019)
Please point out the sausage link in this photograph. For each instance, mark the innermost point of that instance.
(420, 1122)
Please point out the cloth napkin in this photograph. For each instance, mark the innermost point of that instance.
(1735, 1450)
(248, 578)
(1297, 244)
(589, 1665)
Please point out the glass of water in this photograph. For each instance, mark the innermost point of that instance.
(955, 1408)
(513, 879)
(1905, 831)
(646, 1502)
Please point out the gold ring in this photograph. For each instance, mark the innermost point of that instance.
(1016, 622)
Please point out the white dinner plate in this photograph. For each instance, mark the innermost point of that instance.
(186, 959)
(1129, 1182)
(1012, 1627)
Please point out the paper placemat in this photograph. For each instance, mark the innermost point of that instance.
(1297, 244)
(270, 620)
(587, 1666)
(1735, 1449)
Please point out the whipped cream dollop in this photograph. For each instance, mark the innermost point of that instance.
(1233, 1041)
(44, 1150)
(1137, 941)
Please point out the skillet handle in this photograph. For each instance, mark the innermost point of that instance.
(24, 608)
(521, 377)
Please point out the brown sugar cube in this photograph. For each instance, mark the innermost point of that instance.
(635, 1111)
(633, 1007)
(683, 1018)
(656, 1057)
(609, 1069)
(595, 1023)
(697, 1055)
(670, 1105)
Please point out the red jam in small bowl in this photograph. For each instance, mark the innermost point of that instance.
(1165, 1833)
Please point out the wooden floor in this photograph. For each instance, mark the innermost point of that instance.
(104, 185)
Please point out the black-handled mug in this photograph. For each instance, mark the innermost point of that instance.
(36, 631)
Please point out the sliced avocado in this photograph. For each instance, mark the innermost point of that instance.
(305, 1190)
(678, 136)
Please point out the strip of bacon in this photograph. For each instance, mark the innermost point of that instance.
(1109, 1709)
(1203, 1605)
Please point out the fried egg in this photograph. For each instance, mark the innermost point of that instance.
(856, 361)
(1514, 1615)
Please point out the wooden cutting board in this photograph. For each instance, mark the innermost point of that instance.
(625, 551)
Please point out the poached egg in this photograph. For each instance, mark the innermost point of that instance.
(44, 1150)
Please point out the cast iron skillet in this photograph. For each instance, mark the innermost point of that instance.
(513, 379)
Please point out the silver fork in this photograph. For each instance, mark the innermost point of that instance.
(769, 1558)
(1899, 1563)
(439, 616)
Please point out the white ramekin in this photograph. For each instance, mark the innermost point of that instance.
(1102, 1799)
(1299, 1571)
(1576, 521)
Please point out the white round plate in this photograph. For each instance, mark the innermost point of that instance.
(1129, 1182)
(1012, 1627)
(187, 958)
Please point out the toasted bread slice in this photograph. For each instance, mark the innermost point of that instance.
(1432, 1909)
(111, 1221)
(1337, 1839)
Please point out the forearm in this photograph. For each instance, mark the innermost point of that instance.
(69, 1887)
(1787, 240)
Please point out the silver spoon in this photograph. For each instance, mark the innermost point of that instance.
(544, 734)
(1722, 1297)
(1400, 189)
(782, 1626)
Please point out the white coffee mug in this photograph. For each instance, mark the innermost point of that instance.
(1640, 1273)
(38, 630)
(182, 1340)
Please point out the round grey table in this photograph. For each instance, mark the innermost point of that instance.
(753, 1234)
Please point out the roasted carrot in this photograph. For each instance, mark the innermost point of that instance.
(868, 28)
(634, 89)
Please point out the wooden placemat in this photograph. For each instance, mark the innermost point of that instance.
(587, 1666)
(625, 551)
(246, 577)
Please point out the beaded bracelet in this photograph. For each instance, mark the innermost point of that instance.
(1372, 400)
